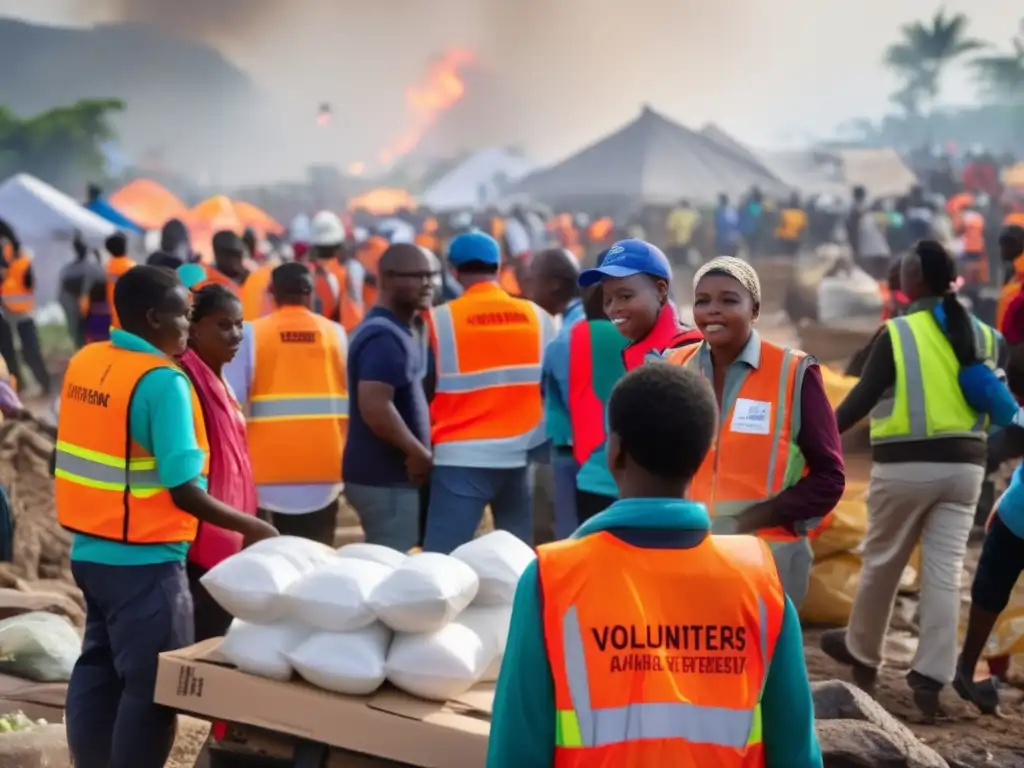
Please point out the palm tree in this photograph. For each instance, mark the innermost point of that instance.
(1002, 74)
(923, 54)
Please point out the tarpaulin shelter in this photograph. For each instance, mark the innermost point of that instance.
(383, 201)
(148, 204)
(650, 160)
(102, 207)
(208, 218)
(45, 220)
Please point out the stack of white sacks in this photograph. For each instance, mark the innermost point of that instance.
(347, 620)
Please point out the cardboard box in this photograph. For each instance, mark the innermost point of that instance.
(388, 724)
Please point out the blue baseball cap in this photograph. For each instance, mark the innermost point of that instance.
(474, 246)
(626, 258)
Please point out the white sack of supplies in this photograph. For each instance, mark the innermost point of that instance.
(335, 597)
(375, 553)
(351, 663)
(426, 592)
(250, 585)
(437, 665)
(499, 559)
(490, 623)
(302, 553)
(262, 649)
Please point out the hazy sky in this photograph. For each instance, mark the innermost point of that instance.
(568, 71)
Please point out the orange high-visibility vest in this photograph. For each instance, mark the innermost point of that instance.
(215, 276)
(116, 266)
(298, 399)
(106, 484)
(1014, 218)
(508, 281)
(659, 656)
(257, 301)
(1010, 291)
(488, 348)
(18, 298)
(792, 222)
(350, 312)
(755, 456)
(974, 232)
(369, 254)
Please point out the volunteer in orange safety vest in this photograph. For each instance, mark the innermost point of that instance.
(1011, 252)
(130, 483)
(334, 290)
(18, 294)
(229, 256)
(776, 467)
(290, 377)
(118, 263)
(644, 641)
(486, 414)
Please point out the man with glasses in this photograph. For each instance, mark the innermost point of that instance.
(388, 455)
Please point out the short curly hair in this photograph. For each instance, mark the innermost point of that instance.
(665, 417)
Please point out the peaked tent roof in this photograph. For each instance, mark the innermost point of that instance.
(39, 213)
(148, 204)
(652, 159)
(731, 144)
(477, 181)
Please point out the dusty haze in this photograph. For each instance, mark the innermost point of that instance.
(558, 72)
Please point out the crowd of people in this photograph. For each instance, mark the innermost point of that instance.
(214, 405)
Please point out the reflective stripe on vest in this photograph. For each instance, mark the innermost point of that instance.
(105, 472)
(270, 407)
(794, 463)
(585, 726)
(451, 381)
(914, 386)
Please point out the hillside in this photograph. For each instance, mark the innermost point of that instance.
(186, 103)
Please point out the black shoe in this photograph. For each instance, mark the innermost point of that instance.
(833, 643)
(983, 695)
(926, 694)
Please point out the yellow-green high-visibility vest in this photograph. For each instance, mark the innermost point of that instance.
(927, 401)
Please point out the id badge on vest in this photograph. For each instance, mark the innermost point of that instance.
(751, 417)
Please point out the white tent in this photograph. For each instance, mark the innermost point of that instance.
(38, 212)
(477, 181)
(45, 221)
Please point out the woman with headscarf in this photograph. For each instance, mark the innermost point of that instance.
(214, 338)
(776, 468)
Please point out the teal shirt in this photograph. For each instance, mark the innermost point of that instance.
(606, 344)
(523, 723)
(161, 422)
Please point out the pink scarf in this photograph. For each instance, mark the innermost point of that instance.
(230, 479)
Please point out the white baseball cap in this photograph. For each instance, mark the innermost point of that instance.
(326, 229)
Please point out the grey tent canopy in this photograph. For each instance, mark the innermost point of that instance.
(651, 160)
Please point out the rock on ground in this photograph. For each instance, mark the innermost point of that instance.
(867, 733)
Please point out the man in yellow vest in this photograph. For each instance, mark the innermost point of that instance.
(486, 414)
(791, 226)
(18, 292)
(290, 377)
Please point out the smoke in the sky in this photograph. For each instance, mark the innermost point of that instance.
(556, 73)
(553, 72)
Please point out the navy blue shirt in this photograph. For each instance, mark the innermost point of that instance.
(384, 349)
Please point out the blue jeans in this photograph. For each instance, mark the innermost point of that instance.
(133, 614)
(458, 496)
(389, 514)
(566, 520)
